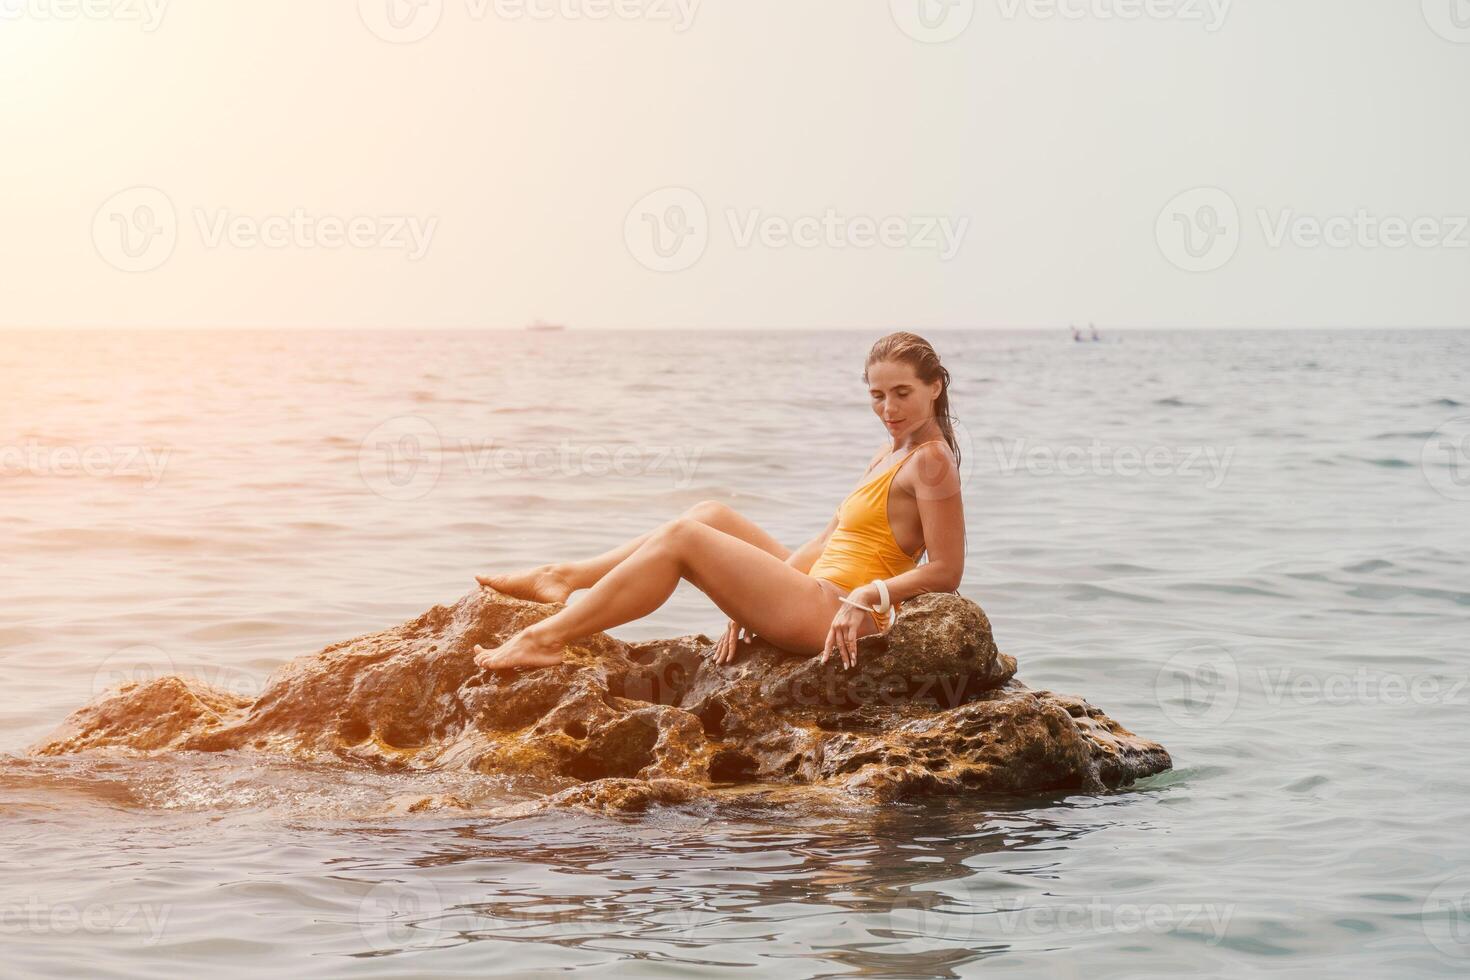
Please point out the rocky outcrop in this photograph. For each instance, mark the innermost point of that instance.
(932, 708)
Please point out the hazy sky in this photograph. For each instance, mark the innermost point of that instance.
(761, 163)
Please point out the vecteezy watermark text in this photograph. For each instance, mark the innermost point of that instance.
(1363, 229)
(1365, 685)
(1209, 13)
(407, 21)
(1100, 915)
(938, 21)
(830, 229)
(137, 229)
(1206, 463)
(1201, 230)
(31, 458)
(952, 919)
(34, 917)
(146, 13)
(1202, 686)
(403, 457)
(678, 13)
(299, 229)
(669, 229)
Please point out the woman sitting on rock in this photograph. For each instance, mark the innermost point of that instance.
(843, 584)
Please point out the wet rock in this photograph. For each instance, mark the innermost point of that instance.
(162, 714)
(932, 708)
(611, 795)
(1010, 740)
(435, 803)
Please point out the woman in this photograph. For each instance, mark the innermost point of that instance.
(793, 599)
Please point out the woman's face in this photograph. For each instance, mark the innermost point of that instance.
(900, 400)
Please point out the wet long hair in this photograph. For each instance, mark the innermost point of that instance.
(915, 351)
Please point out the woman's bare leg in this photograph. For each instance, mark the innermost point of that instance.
(555, 582)
(751, 585)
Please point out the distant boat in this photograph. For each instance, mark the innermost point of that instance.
(542, 325)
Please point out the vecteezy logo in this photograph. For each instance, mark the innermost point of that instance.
(929, 482)
(401, 21)
(932, 21)
(1199, 230)
(1445, 458)
(396, 915)
(137, 664)
(400, 459)
(667, 230)
(1445, 917)
(1198, 688)
(1450, 19)
(135, 230)
(933, 917)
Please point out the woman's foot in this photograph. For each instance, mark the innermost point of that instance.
(545, 583)
(525, 649)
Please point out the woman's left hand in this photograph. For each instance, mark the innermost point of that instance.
(842, 636)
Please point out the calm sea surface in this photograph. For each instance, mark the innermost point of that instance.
(1253, 547)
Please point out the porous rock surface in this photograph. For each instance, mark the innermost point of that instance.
(932, 708)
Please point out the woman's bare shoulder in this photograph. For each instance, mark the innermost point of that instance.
(935, 465)
(938, 449)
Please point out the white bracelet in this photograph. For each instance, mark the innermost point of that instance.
(893, 614)
(884, 605)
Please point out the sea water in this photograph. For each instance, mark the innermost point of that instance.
(1250, 546)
